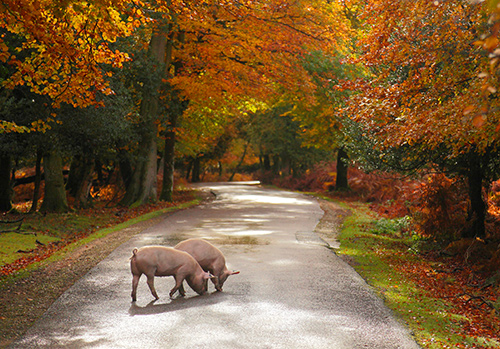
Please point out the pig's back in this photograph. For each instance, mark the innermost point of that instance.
(161, 260)
(206, 254)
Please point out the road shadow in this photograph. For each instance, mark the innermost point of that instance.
(176, 304)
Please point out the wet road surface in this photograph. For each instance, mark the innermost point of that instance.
(292, 291)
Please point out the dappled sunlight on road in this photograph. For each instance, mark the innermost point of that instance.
(267, 199)
(247, 232)
(284, 262)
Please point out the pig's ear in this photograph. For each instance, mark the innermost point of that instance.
(234, 272)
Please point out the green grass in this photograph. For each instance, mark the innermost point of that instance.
(65, 225)
(431, 321)
(11, 243)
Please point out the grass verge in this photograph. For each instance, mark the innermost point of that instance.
(382, 257)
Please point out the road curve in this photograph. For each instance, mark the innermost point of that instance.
(292, 291)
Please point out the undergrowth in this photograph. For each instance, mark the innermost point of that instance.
(414, 286)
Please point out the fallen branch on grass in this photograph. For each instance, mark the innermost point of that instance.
(472, 297)
(17, 222)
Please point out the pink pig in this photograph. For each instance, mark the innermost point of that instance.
(166, 261)
(210, 259)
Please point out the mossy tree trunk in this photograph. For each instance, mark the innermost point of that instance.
(55, 193)
(143, 185)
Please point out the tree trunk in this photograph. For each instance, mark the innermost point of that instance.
(276, 164)
(55, 193)
(188, 169)
(239, 163)
(477, 205)
(195, 175)
(143, 186)
(5, 183)
(80, 179)
(75, 175)
(126, 170)
(176, 109)
(167, 190)
(38, 180)
(342, 167)
(267, 162)
(82, 195)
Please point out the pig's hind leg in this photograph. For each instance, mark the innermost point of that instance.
(135, 282)
(151, 284)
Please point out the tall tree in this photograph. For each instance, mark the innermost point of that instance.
(55, 193)
(143, 185)
(426, 92)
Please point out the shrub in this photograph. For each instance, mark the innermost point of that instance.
(439, 207)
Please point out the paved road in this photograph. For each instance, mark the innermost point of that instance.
(292, 291)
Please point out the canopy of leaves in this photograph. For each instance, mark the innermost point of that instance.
(427, 85)
(67, 41)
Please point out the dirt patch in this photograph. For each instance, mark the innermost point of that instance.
(240, 240)
(331, 222)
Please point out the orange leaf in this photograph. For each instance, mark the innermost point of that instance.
(478, 121)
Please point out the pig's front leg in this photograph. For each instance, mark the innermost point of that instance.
(181, 289)
(215, 281)
(178, 286)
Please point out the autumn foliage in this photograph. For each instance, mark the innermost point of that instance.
(428, 88)
(68, 41)
(407, 89)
